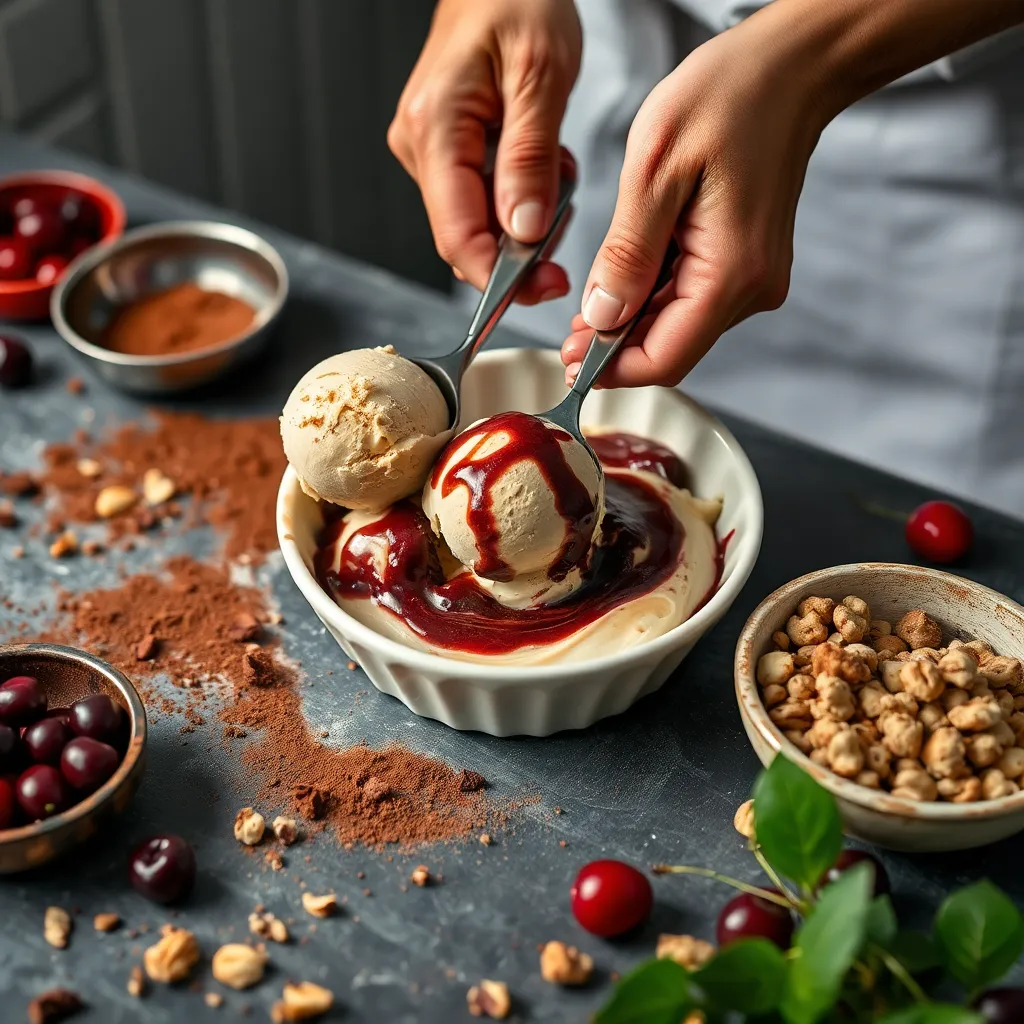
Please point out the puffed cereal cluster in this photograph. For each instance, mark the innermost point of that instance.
(891, 708)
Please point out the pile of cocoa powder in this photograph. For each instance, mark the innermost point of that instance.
(195, 625)
(230, 469)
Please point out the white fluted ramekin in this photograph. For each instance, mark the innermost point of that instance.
(537, 700)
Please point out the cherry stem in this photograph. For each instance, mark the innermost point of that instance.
(898, 971)
(880, 510)
(794, 900)
(753, 890)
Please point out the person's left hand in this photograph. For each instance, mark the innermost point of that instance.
(717, 156)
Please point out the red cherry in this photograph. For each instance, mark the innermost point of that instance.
(49, 268)
(15, 260)
(1001, 1005)
(15, 363)
(753, 917)
(42, 231)
(42, 792)
(609, 897)
(45, 740)
(22, 701)
(78, 245)
(939, 531)
(79, 214)
(8, 806)
(23, 206)
(163, 868)
(87, 763)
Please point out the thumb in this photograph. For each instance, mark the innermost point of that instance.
(630, 257)
(527, 162)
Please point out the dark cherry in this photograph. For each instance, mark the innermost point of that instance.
(753, 917)
(22, 701)
(15, 259)
(610, 898)
(1001, 1005)
(163, 868)
(64, 714)
(49, 268)
(8, 805)
(42, 792)
(98, 717)
(42, 231)
(80, 216)
(12, 750)
(45, 740)
(15, 362)
(851, 858)
(939, 531)
(87, 763)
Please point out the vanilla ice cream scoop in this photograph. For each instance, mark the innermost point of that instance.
(514, 496)
(362, 428)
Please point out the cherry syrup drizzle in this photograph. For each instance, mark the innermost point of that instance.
(528, 438)
(458, 614)
(627, 451)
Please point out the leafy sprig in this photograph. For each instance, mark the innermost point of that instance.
(849, 959)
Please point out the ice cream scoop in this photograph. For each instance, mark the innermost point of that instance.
(515, 495)
(362, 428)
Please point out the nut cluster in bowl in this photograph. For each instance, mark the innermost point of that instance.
(888, 706)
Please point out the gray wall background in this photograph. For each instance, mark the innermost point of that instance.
(274, 108)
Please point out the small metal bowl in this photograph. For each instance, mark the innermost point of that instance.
(215, 256)
(69, 674)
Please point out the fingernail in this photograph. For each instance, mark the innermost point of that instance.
(552, 293)
(601, 310)
(528, 222)
(571, 373)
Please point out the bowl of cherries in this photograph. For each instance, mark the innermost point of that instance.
(72, 741)
(47, 218)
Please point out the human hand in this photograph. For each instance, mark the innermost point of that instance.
(717, 156)
(503, 62)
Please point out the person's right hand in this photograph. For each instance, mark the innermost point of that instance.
(488, 63)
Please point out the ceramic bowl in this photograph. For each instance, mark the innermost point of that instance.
(68, 674)
(964, 609)
(28, 299)
(214, 256)
(508, 700)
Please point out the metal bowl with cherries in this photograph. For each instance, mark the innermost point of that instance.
(963, 609)
(67, 675)
(145, 261)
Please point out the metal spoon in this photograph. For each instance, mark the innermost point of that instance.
(603, 347)
(514, 263)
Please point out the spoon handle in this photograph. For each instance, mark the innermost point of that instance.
(513, 265)
(605, 344)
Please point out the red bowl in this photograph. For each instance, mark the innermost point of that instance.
(28, 299)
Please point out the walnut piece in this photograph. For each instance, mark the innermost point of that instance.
(249, 826)
(489, 999)
(743, 819)
(66, 544)
(173, 957)
(114, 500)
(157, 488)
(319, 906)
(775, 667)
(213, 1000)
(301, 1001)
(285, 829)
(565, 965)
(687, 951)
(136, 983)
(238, 966)
(918, 629)
(266, 926)
(420, 876)
(57, 927)
(106, 922)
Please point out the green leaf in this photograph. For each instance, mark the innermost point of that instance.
(798, 823)
(979, 933)
(914, 949)
(934, 1013)
(657, 992)
(748, 976)
(826, 946)
(882, 924)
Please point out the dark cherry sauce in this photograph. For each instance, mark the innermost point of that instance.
(458, 614)
(529, 437)
(627, 451)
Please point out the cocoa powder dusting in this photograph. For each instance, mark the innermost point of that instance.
(230, 468)
(186, 621)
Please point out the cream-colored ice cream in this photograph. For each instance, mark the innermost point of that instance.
(362, 428)
(529, 527)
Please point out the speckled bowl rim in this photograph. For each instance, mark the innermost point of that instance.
(752, 709)
(747, 547)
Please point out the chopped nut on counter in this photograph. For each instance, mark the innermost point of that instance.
(55, 1005)
(106, 922)
(136, 982)
(687, 951)
(173, 957)
(285, 829)
(89, 468)
(266, 926)
(485, 839)
(249, 826)
(743, 820)
(238, 966)
(301, 1001)
(489, 999)
(319, 906)
(890, 708)
(157, 488)
(114, 500)
(66, 544)
(213, 1000)
(274, 859)
(420, 876)
(565, 965)
(57, 927)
